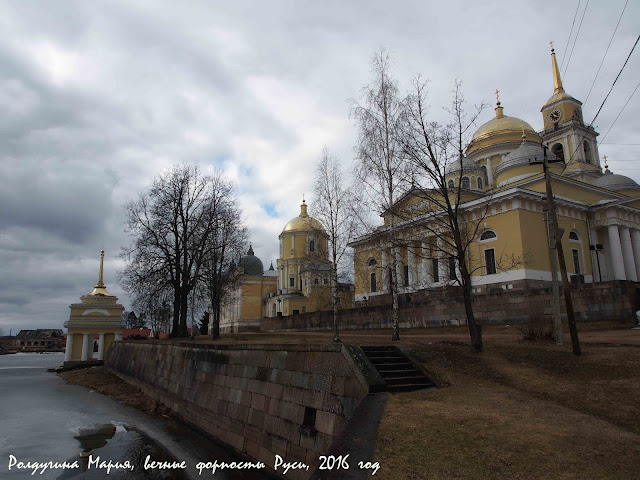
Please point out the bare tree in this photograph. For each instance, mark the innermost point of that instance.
(381, 166)
(220, 275)
(332, 209)
(171, 226)
(434, 151)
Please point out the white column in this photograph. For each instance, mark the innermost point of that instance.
(424, 265)
(627, 254)
(118, 337)
(85, 347)
(635, 245)
(69, 348)
(411, 260)
(617, 263)
(593, 235)
(443, 271)
(489, 172)
(385, 270)
(101, 347)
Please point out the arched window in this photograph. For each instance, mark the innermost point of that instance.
(372, 262)
(312, 245)
(488, 235)
(587, 153)
(558, 151)
(465, 182)
(480, 187)
(573, 235)
(316, 281)
(451, 184)
(373, 283)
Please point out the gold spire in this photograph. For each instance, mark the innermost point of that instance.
(557, 81)
(524, 136)
(100, 290)
(303, 209)
(499, 109)
(100, 283)
(606, 167)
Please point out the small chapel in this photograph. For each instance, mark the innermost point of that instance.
(97, 315)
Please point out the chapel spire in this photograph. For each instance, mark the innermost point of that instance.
(100, 283)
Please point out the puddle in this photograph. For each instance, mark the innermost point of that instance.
(119, 452)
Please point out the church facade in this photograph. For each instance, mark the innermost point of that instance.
(300, 283)
(503, 191)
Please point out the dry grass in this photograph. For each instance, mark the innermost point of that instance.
(102, 381)
(518, 410)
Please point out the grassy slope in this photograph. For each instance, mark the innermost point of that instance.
(518, 410)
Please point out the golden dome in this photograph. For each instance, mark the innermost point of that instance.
(502, 124)
(303, 222)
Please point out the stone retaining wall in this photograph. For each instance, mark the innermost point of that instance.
(616, 300)
(261, 400)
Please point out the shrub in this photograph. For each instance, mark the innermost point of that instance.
(538, 328)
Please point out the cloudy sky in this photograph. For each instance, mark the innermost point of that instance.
(97, 97)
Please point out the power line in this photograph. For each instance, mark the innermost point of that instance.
(623, 107)
(605, 53)
(564, 55)
(614, 82)
(575, 40)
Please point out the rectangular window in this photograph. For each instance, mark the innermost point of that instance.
(435, 272)
(576, 261)
(452, 268)
(304, 309)
(406, 275)
(373, 283)
(490, 261)
(292, 282)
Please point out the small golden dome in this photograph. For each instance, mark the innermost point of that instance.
(303, 222)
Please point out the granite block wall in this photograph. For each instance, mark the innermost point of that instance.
(261, 400)
(514, 303)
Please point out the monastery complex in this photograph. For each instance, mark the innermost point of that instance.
(503, 187)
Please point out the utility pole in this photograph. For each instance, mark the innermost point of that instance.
(553, 259)
(566, 286)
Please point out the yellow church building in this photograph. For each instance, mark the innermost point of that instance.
(300, 283)
(503, 192)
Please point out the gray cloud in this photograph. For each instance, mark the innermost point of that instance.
(98, 97)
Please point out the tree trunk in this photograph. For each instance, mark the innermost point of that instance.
(184, 307)
(394, 294)
(475, 329)
(215, 321)
(334, 298)
(175, 330)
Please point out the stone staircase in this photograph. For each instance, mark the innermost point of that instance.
(397, 369)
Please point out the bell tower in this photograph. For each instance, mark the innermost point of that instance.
(566, 134)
